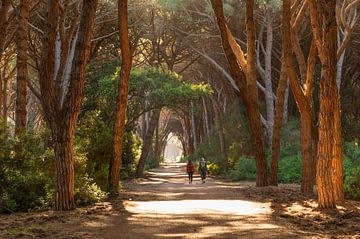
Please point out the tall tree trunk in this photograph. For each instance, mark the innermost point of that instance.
(122, 97)
(330, 163)
(253, 107)
(147, 143)
(21, 65)
(276, 136)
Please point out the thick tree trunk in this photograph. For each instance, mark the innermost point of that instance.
(330, 164)
(21, 65)
(122, 97)
(64, 166)
(276, 136)
(147, 143)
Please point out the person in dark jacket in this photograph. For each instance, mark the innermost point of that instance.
(190, 169)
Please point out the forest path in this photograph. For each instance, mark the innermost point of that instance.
(164, 205)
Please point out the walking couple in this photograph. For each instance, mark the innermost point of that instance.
(190, 169)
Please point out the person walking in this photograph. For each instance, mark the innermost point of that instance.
(190, 169)
(202, 169)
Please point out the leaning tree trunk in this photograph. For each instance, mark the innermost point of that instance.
(21, 66)
(122, 97)
(243, 70)
(147, 143)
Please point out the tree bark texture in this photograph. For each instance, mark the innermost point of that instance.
(62, 112)
(330, 163)
(122, 96)
(21, 65)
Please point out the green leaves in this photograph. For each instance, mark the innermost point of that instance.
(161, 88)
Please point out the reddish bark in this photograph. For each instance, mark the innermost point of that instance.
(122, 96)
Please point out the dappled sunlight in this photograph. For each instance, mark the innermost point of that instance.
(234, 207)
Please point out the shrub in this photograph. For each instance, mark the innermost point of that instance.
(87, 192)
(351, 152)
(245, 168)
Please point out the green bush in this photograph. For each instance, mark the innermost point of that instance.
(245, 168)
(290, 169)
(87, 192)
(351, 152)
(26, 180)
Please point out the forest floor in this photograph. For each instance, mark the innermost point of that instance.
(164, 205)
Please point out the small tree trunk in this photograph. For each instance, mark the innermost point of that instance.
(193, 125)
(269, 100)
(206, 117)
(276, 136)
(308, 167)
(5, 98)
(21, 65)
(218, 120)
(147, 143)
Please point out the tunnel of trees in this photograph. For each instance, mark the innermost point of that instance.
(90, 91)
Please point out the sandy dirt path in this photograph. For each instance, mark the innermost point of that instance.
(165, 205)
